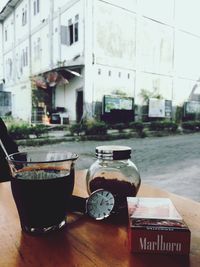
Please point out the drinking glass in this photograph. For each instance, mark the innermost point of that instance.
(42, 184)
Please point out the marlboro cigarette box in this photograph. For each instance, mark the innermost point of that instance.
(155, 226)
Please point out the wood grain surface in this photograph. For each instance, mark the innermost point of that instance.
(85, 242)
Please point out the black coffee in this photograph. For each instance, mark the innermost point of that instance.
(42, 202)
(119, 188)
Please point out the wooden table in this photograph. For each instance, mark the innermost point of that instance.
(85, 242)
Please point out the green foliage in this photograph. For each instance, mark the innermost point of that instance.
(119, 92)
(77, 128)
(179, 114)
(156, 126)
(146, 94)
(136, 125)
(170, 126)
(163, 125)
(96, 128)
(89, 127)
(40, 96)
(38, 130)
(19, 130)
(119, 126)
(191, 125)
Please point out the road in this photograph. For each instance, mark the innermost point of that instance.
(171, 163)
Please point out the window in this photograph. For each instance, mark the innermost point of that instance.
(24, 58)
(36, 47)
(9, 68)
(70, 31)
(36, 7)
(24, 16)
(73, 30)
(6, 35)
(76, 28)
(18, 66)
(63, 36)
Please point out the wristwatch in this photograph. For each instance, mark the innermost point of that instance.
(99, 205)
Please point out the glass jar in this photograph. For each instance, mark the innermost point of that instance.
(114, 171)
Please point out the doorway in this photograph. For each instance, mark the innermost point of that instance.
(79, 105)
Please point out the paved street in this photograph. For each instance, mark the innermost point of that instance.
(171, 163)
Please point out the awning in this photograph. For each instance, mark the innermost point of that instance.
(58, 76)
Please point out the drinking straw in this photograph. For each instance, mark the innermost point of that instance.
(4, 149)
(8, 157)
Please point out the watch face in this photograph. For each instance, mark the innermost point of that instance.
(100, 204)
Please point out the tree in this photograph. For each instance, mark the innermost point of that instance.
(146, 94)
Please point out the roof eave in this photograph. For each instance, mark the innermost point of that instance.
(7, 9)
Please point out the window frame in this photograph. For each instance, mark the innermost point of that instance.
(6, 35)
(24, 16)
(73, 30)
(36, 7)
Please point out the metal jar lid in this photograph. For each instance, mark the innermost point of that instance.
(113, 152)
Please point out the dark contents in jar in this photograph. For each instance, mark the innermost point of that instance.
(119, 188)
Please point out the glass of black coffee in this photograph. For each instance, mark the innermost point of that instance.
(42, 184)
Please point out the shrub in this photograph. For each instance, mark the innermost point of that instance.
(96, 128)
(191, 125)
(19, 130)
(77, 128)
(119, 126)
(179, 114)
(39, 129)
(156, 126)
(170, 126)
(137, 125)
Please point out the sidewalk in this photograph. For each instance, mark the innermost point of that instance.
(56, 136)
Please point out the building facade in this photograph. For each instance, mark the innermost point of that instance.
(66, 56)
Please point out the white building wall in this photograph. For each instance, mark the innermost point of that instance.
(110, 80)
(158, 46)
(75, 50)
(60, 3)
(56, 44)
(45, 49)
(33, 47)
(114, 46)
(8, 33)
(21, 22)
(89, 70)
(66, 97)
(128, 4)
(114, 36)
(39, 16)
(124, 45)
(1, 55)
(21, 100)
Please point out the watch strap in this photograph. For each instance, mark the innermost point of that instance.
(77, 204)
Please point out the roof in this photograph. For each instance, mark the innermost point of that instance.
(7, 9)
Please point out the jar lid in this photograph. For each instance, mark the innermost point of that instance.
(113, 152)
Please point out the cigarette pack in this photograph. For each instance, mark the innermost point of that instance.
(155, 226)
